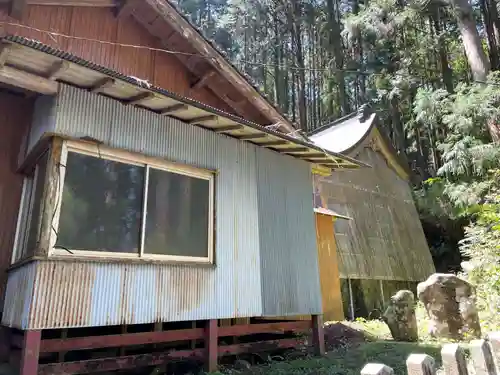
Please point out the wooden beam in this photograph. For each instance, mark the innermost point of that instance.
(5, 50)
(200, 119)
(102, 84)
(27, 81)
(126, 8)
(228, 128)
(273, 143)
(293, 150)
(17, 8)
(248, 137)
(203, 80)
(173, 108)
(140, 98)
(57, 69)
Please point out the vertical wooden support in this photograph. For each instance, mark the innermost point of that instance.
(64, 335)
(193, 342)
(420, 364)
(5, 337)
(211, 345)
(494, 339)
(376, 369)
(482, 358)
(124, 331)
(318, 335)
(454, 362)
(30, 352)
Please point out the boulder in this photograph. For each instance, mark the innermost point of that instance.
(450, 303)
(400, 316)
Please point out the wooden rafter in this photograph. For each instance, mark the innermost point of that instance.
(203, 80)
(198, 120)
(248, 137)
(4, 53)
(173, 108)
(102, 84)
(140, 98)
(57, 69)
(228, 128)
(273, 143)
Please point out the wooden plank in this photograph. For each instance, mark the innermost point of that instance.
(57, 69)
(173, 108)
(211, 345)
(273, 143)
(201, 119)
(30, 352)
(248, 137)
(318, 335)
(102, 84)
(5, 50)
(203, 80)
(293, 150)
(110, 341)
(140, 98)
(27, 81)
(117, 363)
(228, 128)
(250, 329)
(17, 8)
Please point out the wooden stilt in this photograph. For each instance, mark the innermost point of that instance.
(4, 344)
(30, 352)
(64, 335)
(193, 342)
(211, 345)
(318, 335)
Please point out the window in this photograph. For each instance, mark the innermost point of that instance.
(31, 208)
(118, 204)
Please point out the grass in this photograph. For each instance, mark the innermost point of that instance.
(348, 360)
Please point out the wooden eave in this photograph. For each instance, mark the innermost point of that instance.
(36, 67)
(160, 18)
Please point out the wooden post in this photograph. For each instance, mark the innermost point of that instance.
(211, 345)
(420, 364)
(454, 362)
(494, 339)
(30, 352)
(318, 335)
(5, 335)
(376, 369)
(482, 358)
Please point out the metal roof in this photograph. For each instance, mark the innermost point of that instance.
(35, 66)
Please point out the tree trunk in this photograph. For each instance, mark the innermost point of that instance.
(470, 37)
(335, 44)
(446, 71)
(490, 34)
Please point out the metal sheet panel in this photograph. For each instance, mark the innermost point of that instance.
(139, 293)
(18, 296)
(44, 117)
(289, 258)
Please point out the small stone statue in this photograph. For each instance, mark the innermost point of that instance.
(400, 316)
(450, 303)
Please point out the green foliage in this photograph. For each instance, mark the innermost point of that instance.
(482, 246)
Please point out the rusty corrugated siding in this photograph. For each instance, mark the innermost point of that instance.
(15, 117)
(289, 258)
(384, 239)
(129, 294)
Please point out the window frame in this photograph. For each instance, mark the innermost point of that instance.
(103, 152)
(20, 250)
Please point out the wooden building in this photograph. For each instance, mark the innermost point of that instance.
(143, 197)
(380, 245)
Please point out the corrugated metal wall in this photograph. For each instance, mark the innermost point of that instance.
(265, 247)
(15, 118)
(385, 239)
(289, 258)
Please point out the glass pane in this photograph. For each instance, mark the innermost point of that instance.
(36, 206)
(102, 205)
(177, 215)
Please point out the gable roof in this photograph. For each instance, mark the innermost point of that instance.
(37, 67)
(349, 134)
(162, 20)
